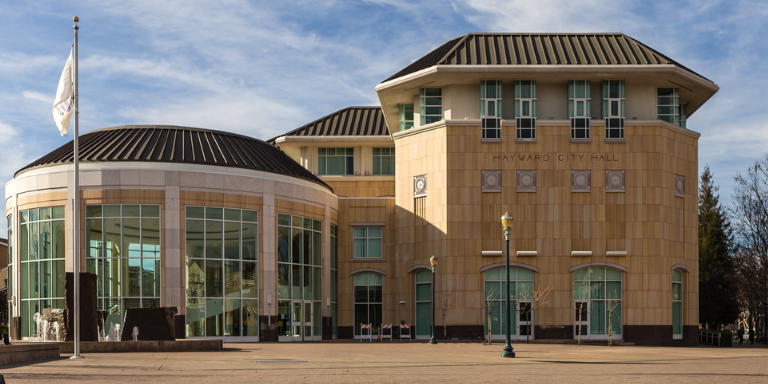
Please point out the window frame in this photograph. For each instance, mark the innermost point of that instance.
(589, 300)
(526, 123)
(367, 240)
(322, 160)
(405, 122)
(416, 303)
(515, 301)
(614, 122)
(427, 116)
(490, 122)
(661, 103)
(356, 326)
(378, 160)
(580, 123)
(680, 301)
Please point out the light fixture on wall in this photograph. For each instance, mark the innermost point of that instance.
(269, 299)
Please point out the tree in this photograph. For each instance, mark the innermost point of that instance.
(445, 301)
(581, 309)
(717, 273)
(491, 298)
(531, 300)
(611, 304)
(749, 210)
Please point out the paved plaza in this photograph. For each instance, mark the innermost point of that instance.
(407, 362)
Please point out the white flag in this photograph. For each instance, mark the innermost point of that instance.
(63, 103)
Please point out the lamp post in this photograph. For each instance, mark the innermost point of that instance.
(506, 223)
(433, 263)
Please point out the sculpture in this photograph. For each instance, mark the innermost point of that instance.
(111, 335)
(135, 333)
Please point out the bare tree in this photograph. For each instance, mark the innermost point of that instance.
(610, 305)
(446, 299)
(490, 299)
(532, 299)
(581, 308)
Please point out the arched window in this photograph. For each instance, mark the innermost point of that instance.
(597, 295)
(521, 292)
(368, 300)
(677, 304)
(423, 302)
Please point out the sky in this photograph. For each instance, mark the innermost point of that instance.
(265, 68)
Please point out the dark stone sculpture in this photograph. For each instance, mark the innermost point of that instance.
(89, 313)
(153, 324)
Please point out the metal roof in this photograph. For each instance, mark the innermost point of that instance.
(173, 144)
(350, 121)
(540, 49)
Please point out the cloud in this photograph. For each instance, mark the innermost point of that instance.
(38, 96)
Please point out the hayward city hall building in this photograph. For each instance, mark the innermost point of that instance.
(330, 226)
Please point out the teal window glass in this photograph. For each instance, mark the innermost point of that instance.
(579, 105)
(613, 108)
(335, 161)
(677, 302)
(431, 105)
(367, 242)
(668, 105)
(495, 295)
(490, 108)
(368, 300)
(383, 161)
(525, 109)
(423, 302)
(597, 295)
(406, 116)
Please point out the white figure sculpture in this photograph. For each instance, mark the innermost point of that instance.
(135, 333)
(117, 333)
(111, 335)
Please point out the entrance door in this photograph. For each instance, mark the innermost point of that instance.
(301, 320)
(525, 315)
(581, 319)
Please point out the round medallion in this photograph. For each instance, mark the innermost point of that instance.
(679, 185)
(580, 180)
(614, 180)
(526, 179)
(491, 180)
(420, 184)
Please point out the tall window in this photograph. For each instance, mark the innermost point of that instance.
(668, 107)
(334, 280)
(431, 105)
(383, 161)
(336, 161)
(490, 108)
(123, 250)
(9, 295)
(42, 246)
(368, 300)
(521, 292)
(613, 108)
(423, 302)
(525, 109)
(677, 304)
(299, 276)
(367, 242)
(222, 272)
(597, 294)
(406, 116)
(579, 106)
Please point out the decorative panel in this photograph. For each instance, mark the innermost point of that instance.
(581, 181)
(614, 181)
(526, 181)
(419, 185)
(679, 186)
(491, 181)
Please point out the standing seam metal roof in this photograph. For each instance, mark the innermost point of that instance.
(541, 49)
(173, 144)
(350, 121)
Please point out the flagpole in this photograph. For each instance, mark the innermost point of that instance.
(76, 209)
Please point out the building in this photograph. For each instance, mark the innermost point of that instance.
(582, 138)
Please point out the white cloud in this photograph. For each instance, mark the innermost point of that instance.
(38, 96)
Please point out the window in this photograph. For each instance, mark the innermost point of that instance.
(597, 297)
(336, 161)
(334, 280)
(368, 300)
(579, 106)
(406, 116)
(423, 302)
(431, 102)
(677, 304)
(525, 109)
(490, 108)
(613, 108)
(668, 107)
(383, 161)
(123, 250)
(299, 276)
(221, 247)
(42, 245)
(367, 242)
(521, 292)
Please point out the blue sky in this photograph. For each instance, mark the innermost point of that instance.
(263, 68)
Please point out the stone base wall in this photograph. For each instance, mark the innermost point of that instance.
(268, 328)
(661, 335)
(28, 351)
(554, 332)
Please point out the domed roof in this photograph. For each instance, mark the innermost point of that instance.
(181, 145)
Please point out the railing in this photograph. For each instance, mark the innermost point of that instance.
(709, 337)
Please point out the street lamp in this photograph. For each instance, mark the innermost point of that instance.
(433, 263)
(506, 223)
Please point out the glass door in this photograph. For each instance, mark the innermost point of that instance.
(525, 314)
(581, 319)
(296, 321)
(307, 322)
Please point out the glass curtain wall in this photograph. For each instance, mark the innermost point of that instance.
(368, 300)
(601, 291)
(520, 290)
(42, 245)
(334, 281)
(423, 302)
(299, 276)
(123, 250)
(221, 247)
(677, 303)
